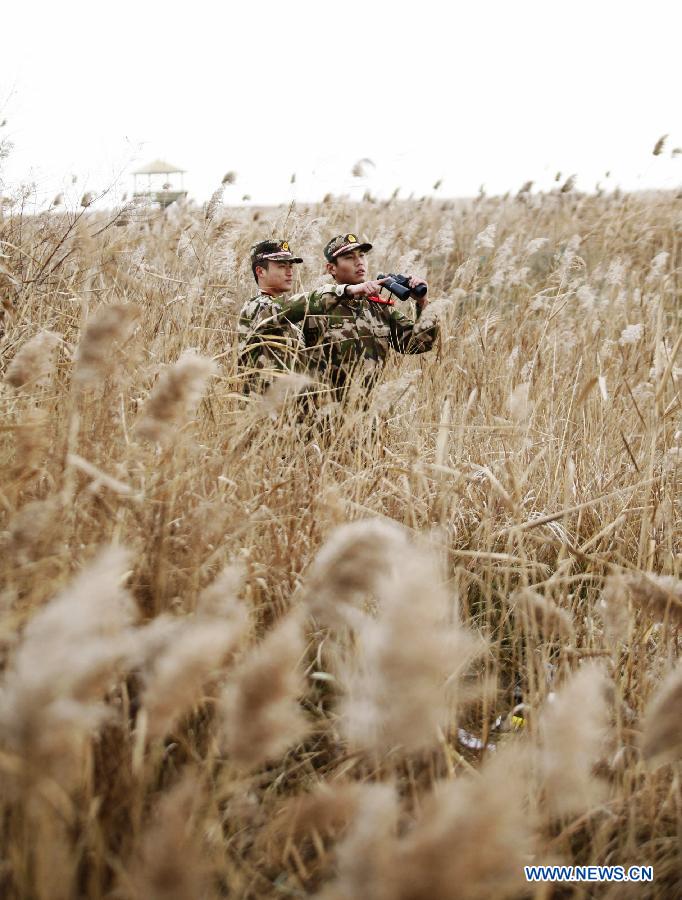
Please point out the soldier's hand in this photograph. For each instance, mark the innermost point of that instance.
(415, 282)
(366, 288)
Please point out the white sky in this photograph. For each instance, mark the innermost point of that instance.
(494, 92)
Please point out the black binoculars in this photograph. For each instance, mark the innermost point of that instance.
(399, 285)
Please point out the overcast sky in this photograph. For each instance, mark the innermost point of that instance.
(492, 93)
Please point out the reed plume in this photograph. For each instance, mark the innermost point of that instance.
(469, 841)
(104, 335)
(34, 362)
(176, 675)
(71, 649)
(406, 658)
(367, 852)
(659, 145)
(359, 169)
(390, 394)
(171, 862)
(542, 616)
(520, 407)
(572, 732)
(662, 731)
(349, 566)
(259, 705)
(219, 598)
(283, 389)
(216, 202)
(614, 609)
(435, 312)
(472, 837)
(33, 529)
(175, 395)
(659, 595)
(31, 441)
(177, 656)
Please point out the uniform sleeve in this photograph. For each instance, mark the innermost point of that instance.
(408, 336)
(312, 303)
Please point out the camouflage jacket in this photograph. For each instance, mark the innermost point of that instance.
(265, 340)
(328, 331)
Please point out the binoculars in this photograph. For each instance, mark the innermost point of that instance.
(399, 285)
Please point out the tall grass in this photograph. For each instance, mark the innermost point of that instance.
(250, 653)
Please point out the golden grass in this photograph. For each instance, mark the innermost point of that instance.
(242, 648)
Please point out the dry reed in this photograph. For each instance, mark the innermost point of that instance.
(172, 725)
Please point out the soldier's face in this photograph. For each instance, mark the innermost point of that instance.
(349, 268)
(277, 278)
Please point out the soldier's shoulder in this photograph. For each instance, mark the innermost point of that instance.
(252, 306)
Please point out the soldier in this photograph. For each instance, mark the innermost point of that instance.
(266, 341)
(354, 337)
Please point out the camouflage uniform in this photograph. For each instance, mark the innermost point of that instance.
(354, 337)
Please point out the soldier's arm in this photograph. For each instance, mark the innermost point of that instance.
(408, 336)
(313, 303)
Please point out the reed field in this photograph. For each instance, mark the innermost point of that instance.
(393, 649)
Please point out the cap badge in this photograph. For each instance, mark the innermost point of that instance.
(352, 239)
(285, 245)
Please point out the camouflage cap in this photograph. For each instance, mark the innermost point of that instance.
(279, 251)
(344, 243)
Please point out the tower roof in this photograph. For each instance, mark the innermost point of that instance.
(157, 167)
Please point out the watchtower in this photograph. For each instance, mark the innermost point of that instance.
(162, 183)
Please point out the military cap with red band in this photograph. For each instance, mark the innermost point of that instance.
(344, 243)
(279, 251)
